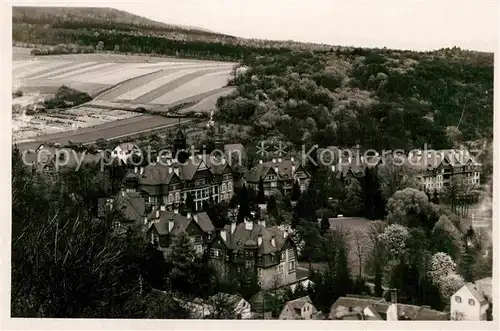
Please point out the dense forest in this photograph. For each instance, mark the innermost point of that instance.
(380, 99)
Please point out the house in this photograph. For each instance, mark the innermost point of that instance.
(125, 151)
(254, 250)
(355, 307)
(162, 226)
(436, 168)
(472, 301)
(168, 182)
(278, 174)
(230, 306)
(129, 206)
(298, 309)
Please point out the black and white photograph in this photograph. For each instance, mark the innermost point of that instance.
(324, 161)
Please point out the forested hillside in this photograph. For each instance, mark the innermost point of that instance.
(380, 99)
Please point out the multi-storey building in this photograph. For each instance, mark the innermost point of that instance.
(278, 174)
(168, 182)
(437, 168)
(163, 226)
(252, 249)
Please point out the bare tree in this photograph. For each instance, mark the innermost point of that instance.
(360, 243)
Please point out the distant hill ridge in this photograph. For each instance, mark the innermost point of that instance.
(81, 17)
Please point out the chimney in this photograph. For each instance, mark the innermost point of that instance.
(170, 225)
(273, 241)
(260, 161)
(248, 224)
(292, 159)
(259, 240)
(157, 213)
(157, 159)
(223, 234)
(285, 234)
(189, 215)
(195, 217)
(276, 170)
(136, 170)
(123, 192)
(333, 168)
(162, 207)
(169, 170)
(142, 170)
(233, 227)
(145, 220)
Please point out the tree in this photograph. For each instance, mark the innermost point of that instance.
(410, 207)
(372, 196)
(394, 177)
(116, 49)
(353, 203)
(244, 202)
(295, 191)
(261, 195)
(325, 223)
(359, 239)
(190, 204)
(272, 207)
(100, 46)
(395, 237)
(446, 238)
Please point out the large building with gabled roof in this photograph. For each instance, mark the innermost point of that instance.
(278, 174)
(253, 249)
(168, 182)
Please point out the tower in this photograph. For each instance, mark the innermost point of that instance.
(180, 144)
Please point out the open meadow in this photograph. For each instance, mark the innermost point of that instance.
(119, 85)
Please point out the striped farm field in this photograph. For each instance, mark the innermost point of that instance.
(118, 81)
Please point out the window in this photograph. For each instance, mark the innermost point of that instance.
(283, 255)
(458, 299)
(280, 268)
(291, 266)
(215, 252)
(472, 302)
(259, 271)
(248, 264)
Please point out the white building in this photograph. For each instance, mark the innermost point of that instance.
(472, 301)
(125, 151)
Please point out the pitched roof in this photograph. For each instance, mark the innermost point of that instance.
(282, 168)
(480, 297)
(165, 170)
(180, 222)
(484, 286)
(161, 224)
(243, 237)
(297, 305)
(130, 205)
(205, 222)
(344, 303)
(430, 159)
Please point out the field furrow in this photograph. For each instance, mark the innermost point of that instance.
(74, 73)
(165, 89)
(205, 83)
(62, 69)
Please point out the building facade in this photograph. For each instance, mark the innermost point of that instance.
(472, 301)
(252, 249)
(278, 174)
(169, 182)
(437, 168)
